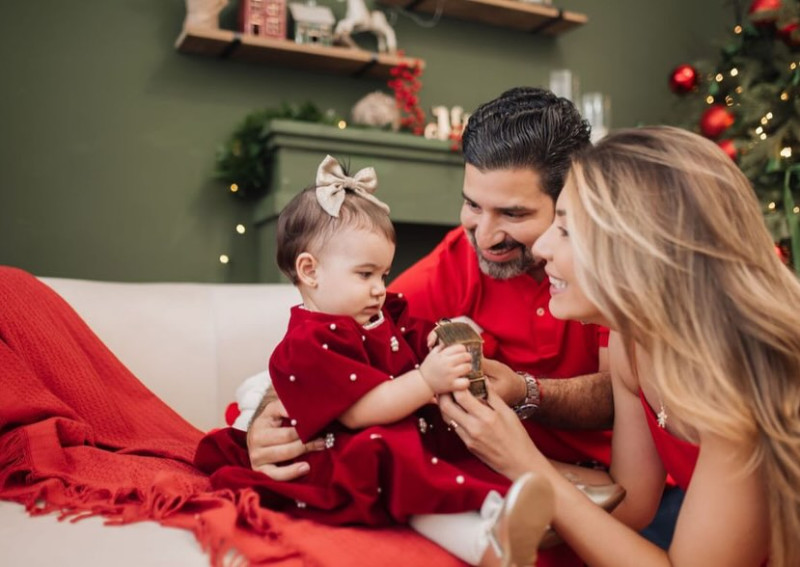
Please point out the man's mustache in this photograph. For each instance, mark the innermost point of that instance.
(506, 245)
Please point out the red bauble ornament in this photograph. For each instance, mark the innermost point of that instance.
(729, 148)
(715, 121)
(683, 79)
(790, 33)
(764, 12)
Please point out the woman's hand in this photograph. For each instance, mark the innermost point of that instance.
(268, 444)
(492, 431)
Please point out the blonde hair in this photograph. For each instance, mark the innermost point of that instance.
(304, 226)
(670, 245)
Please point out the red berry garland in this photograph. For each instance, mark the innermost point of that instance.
(406, 84)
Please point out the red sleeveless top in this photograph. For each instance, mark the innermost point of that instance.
(679, 456)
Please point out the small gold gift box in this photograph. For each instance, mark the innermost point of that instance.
(455, 333)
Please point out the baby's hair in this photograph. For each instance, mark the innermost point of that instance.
(304, 226)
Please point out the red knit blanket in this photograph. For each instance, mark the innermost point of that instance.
(80, 435)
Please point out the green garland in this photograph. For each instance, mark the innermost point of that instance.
(244, 161)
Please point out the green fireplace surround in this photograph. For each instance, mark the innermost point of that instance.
(419, 179)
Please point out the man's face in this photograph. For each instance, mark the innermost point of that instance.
(504, 212)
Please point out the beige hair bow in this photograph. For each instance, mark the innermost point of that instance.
(332, 182)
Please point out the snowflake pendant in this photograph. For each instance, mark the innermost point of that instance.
(662, 417)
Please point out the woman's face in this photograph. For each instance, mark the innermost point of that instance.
(567, 300)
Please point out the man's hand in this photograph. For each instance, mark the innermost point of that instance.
(268, 444)
(506, 383)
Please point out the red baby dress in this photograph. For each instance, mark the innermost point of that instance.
(374, 476)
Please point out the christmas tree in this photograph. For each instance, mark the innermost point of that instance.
(749, 103)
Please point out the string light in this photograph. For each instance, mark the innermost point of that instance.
(796, 210)
(240, 228)
(342, 124)
(759, 130)
(784, 95)
(739, 90)
(793, 66)
(719, 77)
(764, 121)
(234, 188)
(737, 30)
(223, 259)
(710, 99)
(763, 136)
(729, 100)
(734, 72)
(771, 206)
(786, 152)
(769, 116)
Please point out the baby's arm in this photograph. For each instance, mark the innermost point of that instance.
(440, 372)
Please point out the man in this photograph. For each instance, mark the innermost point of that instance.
(517, 150)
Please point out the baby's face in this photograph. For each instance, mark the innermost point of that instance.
(351, 274)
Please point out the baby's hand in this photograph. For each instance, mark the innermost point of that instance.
(444, 368)
(432, 339)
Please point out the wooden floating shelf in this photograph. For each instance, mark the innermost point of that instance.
(227, 44)
(512, 14)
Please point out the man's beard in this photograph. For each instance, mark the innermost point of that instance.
(503, 270)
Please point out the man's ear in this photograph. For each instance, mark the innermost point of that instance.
(306, 268)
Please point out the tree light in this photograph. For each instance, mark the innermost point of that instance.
(737, 29)
(240, 228)
(342, 124)
(786, 152)
(710, 99)
(234, 188)
(771, 206)
(734, 72)
(719, 77)
(223, 259)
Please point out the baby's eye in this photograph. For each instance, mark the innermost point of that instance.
(365, 275)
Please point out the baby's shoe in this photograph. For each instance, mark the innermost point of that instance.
(526, 513)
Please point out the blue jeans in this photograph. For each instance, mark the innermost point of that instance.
(662, 527)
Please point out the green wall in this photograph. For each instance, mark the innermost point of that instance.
(109, 134)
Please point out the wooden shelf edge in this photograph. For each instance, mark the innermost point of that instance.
(512, 14)
(334, 59)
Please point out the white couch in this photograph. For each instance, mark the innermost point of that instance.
(191, 344)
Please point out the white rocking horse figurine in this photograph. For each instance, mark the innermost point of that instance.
(359, 19)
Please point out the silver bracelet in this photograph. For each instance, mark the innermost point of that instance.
(530, 404)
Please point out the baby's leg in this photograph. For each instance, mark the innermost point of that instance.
(514, 525)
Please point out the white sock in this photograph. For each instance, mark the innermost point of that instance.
(465, 535)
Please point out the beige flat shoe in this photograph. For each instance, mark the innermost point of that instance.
(527, 512)
(607, 496)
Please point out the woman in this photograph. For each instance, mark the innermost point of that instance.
(659, 236)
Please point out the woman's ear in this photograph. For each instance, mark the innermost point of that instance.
(306, 268)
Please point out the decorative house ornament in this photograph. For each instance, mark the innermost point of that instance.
(312, 24)
(455, 332)
(203, 14)
(264, 18)
(359, 19)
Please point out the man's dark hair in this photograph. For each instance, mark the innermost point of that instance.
(526, 127)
